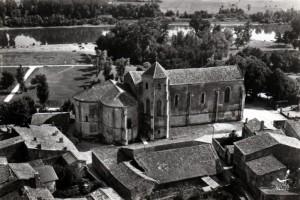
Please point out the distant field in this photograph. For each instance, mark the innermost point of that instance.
(213, 6)
(43, 58)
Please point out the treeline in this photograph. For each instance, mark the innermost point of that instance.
(236, 13)
(71, 12)
(265, 72)
(148, 41)
(275, 17)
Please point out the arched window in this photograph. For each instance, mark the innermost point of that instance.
(202, 98)
(146, 86)
(227, 95)
(159, 108)
(147, 106)
(159, 86)
(176, 99)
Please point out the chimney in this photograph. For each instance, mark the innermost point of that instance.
(37, 180)
(246, 120)
(55, 133)
(39, 146)
(262, 125)
(61, 140)
(53, 124)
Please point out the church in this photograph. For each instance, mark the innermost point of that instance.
(151, 102)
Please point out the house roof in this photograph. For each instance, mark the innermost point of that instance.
(47, 136)
(265, 165)
(4, 174)
(117, 163)
(37, 193)
(10, 142)
(110, 93)
(69, 158)
(104, 194)
(36, 163)
(253, 125)
(156, 71)
(47, 173)
(204, 75)
(265, 140)
(23, 171)
(295, 125)
(190, 75)
(48, 118)
(179, 164)
(136, 76)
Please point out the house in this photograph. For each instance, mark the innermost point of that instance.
(28, 193)
(58, 119)
(263, 160)
(291, 128)
(104, 194)
(150, 102)
(48, 177)
(44, 141)
(157, 172)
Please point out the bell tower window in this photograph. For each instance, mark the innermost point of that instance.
(176, 100)
(159, 86)
(227, 95)
(146, 86)
(147, 106)
(159, 108)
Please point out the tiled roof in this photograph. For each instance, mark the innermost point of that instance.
(23, 171)
(4, 174)
(116, 162)
(47, 118)
(276, 131)
(46, 135)
(259, 142)
(193, 75)
(295, 125)
(253, 125)
(136, 76)
(104, 194)
(110, 93)
(36, 163)
(10, 142)
(179, 164)
(69, 158)
(156, 71)
(265, 165)
(38, 193)
(204, 75)
(47, 173)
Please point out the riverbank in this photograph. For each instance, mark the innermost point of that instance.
(55, 27)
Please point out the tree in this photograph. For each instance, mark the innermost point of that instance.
(67, 106)
(20, 77)
(18, 111)
(120, 67)
(281, 87)
(256, 76)
(278, 38)
(199, 24)
(42, 89)
(7, 79)
(107, 70)
(243, 35)
(248, 7)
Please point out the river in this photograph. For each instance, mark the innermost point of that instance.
(23, 37)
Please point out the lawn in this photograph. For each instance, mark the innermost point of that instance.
(43, 58)
(64, 82)
(13, 71)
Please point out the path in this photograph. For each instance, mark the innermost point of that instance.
(16, 89)
(29, 72)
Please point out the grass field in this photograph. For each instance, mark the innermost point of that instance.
(64, 82)
(43, 58)
(13, 71)
(213, 6)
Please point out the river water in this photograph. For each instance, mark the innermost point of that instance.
(70, 35)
